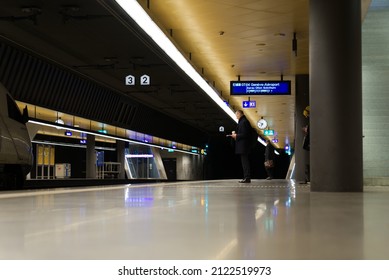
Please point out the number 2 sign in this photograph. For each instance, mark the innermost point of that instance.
(145, 80)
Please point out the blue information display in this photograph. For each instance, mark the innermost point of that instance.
(260, 87)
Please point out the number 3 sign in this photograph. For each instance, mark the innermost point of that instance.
(130, 80)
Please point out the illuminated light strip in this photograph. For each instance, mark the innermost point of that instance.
(70, 145)
(109, 136)
(62, 191)
(260, 140)
(139, 156)
(139, 15)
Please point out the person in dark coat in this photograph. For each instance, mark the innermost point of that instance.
(242, 137)
(306, 143)
(269, 160)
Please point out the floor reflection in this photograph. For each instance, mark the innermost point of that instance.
(194, 220)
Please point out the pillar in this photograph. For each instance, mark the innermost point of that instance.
(335, 95)
(90, 157)
(120, 151)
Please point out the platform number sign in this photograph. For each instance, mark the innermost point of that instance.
(130, 80)
(145, 80)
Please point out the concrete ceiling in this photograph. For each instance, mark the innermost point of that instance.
(223, 39)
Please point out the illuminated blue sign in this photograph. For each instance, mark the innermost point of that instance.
(249, 104)
(260, 87)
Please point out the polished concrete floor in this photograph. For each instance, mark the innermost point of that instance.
(195, 220)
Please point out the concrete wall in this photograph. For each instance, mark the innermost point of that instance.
(375, 73)
(189, 167)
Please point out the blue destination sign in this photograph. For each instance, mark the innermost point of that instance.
(260, 87)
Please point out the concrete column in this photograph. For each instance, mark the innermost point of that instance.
(90, 157)
(120, 150)
(336, 96)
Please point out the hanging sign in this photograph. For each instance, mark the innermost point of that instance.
(144, 80)
(249, 104)
(260, 88)
(130, 80)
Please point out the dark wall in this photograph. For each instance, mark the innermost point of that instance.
(222, 163)
(75, 156)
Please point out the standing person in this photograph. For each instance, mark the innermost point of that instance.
(243, 143)
(307, 143)
(269, 160)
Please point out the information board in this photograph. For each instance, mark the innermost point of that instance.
(260, 88)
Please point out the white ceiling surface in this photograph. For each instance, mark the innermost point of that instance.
(247, 38)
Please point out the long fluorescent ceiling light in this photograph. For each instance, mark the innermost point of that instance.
(139, 15)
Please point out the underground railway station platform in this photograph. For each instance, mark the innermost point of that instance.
(194, 220)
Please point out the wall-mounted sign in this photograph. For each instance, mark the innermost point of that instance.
(249, 104)
(260, 88)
